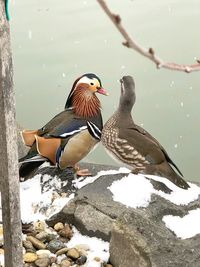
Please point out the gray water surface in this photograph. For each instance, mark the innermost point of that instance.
(54, 42)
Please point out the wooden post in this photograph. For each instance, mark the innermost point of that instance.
(9, 180)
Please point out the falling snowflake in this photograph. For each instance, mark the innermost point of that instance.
(30, 34)
(172, 84)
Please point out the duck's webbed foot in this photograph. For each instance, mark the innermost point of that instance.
(82, 172)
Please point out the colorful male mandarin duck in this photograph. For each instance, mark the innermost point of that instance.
(134, 146)
(70, 135)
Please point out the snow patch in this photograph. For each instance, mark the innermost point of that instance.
(185, 227)
(37, 205)
(82, 181)
(135, 191)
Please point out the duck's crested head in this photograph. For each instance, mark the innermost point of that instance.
(88, 84)
(82, 97)
(128, 97)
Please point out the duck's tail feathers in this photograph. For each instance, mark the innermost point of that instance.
(35, 158)
(165, 170)
(28, 165)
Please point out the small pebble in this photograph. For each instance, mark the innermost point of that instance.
(30, 257)
(51, 237)
(97, 259)
(58, 226)
(42, 236)
(66, 232)
(43, 252)
(36, 243)
(73, 253)
(65, 263)
(39, 226)
(62, 251)
(1, 251)
(27, 244)
(82, 252)
(55, 245)
(81, 260)
(108, 265)
(42, 262)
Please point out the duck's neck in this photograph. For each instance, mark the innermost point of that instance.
(85, 104)
(121, 120)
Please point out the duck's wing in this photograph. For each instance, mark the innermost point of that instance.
(71, 125)
(54, 136)
(63, 125)
(148, 146)
(142, 131)
(63, 118)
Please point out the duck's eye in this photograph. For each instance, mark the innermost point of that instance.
(91, 83)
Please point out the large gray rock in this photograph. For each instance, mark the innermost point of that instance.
(85, 211)
(143, 241)
(139, 237)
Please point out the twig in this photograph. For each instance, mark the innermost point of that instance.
(149, 53)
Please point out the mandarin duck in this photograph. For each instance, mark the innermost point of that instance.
(72, 134)
(134, 146)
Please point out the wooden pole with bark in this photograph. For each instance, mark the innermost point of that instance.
(9, 180)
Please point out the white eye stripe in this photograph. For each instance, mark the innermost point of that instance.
(88, 81)
(85, 80)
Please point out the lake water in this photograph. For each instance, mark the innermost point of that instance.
(56, 41)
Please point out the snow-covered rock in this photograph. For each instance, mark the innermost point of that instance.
(145, 217)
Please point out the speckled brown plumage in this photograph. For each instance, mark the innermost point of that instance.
(134, 146)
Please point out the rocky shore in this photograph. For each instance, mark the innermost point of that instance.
(45, 246)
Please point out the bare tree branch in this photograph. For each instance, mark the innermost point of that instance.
(149, 53)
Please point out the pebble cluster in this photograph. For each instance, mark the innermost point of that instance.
(47, 247)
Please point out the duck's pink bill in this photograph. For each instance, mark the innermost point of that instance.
(102, 91)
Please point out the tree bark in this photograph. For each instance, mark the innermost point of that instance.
(9, 180)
